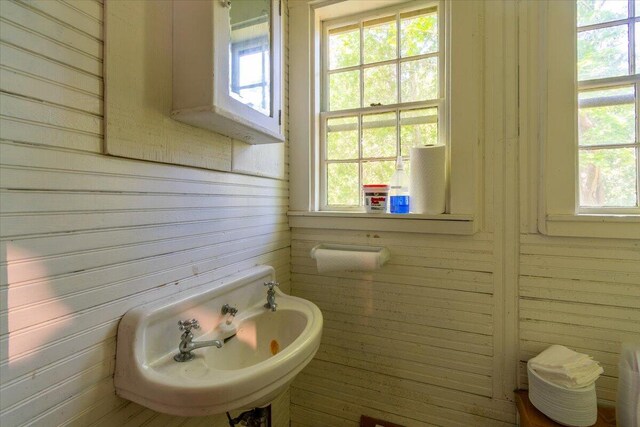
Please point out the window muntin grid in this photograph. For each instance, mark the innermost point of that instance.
(378, 123)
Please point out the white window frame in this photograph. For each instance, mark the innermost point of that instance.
(325, 114)
(559, 213)
(463, 67)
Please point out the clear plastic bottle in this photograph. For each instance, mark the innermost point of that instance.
(399, 190)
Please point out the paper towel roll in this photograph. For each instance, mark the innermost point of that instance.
(427, 179)
(338, 260)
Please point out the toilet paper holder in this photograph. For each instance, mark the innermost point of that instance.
(384, 254)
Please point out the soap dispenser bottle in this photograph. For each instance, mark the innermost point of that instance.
(399, 190)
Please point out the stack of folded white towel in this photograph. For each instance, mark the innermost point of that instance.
(566, 368)
(561, 385)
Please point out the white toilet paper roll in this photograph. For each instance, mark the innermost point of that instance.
(428, 179)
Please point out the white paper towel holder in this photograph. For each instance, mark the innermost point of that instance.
(384, 252)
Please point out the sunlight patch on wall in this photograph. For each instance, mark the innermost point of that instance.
(27, 308)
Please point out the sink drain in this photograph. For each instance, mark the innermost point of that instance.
(275, 347)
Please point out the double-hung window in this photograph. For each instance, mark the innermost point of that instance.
(590, 118)
(608, 34)
(382, 92)
(370, 80)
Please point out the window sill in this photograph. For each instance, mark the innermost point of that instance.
(592, 225)
(411, 223)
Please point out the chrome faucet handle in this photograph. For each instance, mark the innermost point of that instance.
(271, 284)
(187, 325)
(227, 309)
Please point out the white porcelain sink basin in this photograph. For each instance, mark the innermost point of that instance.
(268, 350)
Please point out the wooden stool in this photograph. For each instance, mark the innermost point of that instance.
(531, 417)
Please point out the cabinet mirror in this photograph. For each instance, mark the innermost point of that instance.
(250, 54)
(227, 67)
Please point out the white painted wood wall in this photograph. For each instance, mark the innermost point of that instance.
(412, 343)
(85, 237)
(432, 339)
(439, 336)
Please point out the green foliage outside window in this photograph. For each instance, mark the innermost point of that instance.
(607, 114)
(398, 63)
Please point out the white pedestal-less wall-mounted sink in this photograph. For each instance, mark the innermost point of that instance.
(251, 368)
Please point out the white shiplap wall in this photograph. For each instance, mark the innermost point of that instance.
(421, 342)
(429, 339)
(580, 292)
(85, 237)
(433, 337)
(411, 343)
(584, 293)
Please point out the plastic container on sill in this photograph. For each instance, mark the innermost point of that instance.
(375, 197)
(399, 190)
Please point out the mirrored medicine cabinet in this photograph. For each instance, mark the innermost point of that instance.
(227, 67)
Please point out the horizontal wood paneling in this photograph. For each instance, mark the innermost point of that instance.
(433, 338)
(406, 343)
(31, 110)
(64, 32)
(54, 73)
(21, 130)
(85, 237)
(91, 8)
(381, 395)
(67, 14)
(32, 86)
(582, 293)
(131, 415)
(37, 41)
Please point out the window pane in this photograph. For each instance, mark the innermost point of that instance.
(344, 90)
(636, 44)
(380, 39)
(344, 47)
(379, 135)
(596, 11)
(419, 80)
(250, 50)
(377, 172)
(342, 184)
(608, 177)
(342, 138)
(380, 86)
(418, 127)
(606, 116)
(637, 8)
(256, 96)
(418, 33)
(251, 70)
(603, 53)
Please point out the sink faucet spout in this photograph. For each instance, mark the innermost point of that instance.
(187, 345)
(192, 345)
